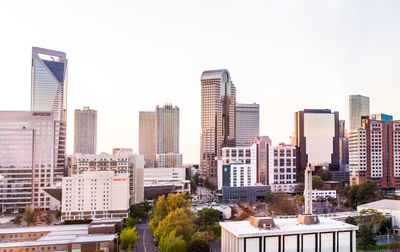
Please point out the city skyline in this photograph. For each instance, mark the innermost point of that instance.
(284, 56)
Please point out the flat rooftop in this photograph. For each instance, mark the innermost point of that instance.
(284, 227)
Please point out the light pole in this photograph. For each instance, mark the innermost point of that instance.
(387, 235)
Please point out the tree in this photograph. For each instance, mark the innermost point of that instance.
(207, 235)
(29, 216)
(366, 236)
(130, 222)
(181, 222)
(170, 243)
(137, 211)
(128, 238)
(363, 193)
(58, 214)
(371, 218)
(325, 175)
(299, 188)
(196, 178)
(48, 219)
(207, 216)
(300, 175)
(395, 246)
(198, 245)
(193, 186)
(208, 184)
(269, 197)
(351, 220)
(165, 205)
(17, 221)
(317, 182)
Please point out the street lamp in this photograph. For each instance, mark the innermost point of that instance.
(387, 235)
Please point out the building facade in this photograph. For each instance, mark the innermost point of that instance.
(119, 163)
(265, 162)
(49, 82)
(147, 137)
(100, 194)
(316, 137)
(32, 157)
(284, 171)
(85, 132)
(356, 106)
(167, 129)
(247, 123)
(218, 117)
(374, 154)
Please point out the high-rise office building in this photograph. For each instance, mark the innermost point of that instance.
(49, 82)
(147, 137)
(218, 119)
(265, 161)
(316, 137)
(31, 159)
(375, 154)
(247, 123)
(85, 132)
(167, 129)
(356, 106)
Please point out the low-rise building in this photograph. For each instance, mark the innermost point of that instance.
(273, 235)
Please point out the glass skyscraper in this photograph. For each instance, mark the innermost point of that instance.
(218, 119)
(49, 82)
(31, 159)
(356, 107)
(247, 123)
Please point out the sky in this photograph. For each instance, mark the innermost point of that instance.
(127, 56)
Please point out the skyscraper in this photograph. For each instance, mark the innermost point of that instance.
(316, 137)
(85, 132)
(247, 123)
(49, 82)
(147, 137)
(218, 128)
(356, 107)
(167, 129)
(32, 157)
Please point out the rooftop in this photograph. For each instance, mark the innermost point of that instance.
(285, 226)
(383, 204)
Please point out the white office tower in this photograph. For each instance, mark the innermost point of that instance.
(85, 132)
(356, 107)
(242, 163)
(95, 195)
(119, 164)
(247, 123)
(284, 169)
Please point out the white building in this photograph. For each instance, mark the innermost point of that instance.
(247, 123)
(119, 164)
(166, 176)
(169, 160)
(275, 235)
(242, 162)
(323, 194)
(95, 195)
(284, 172)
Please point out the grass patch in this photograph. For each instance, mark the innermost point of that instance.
(374, 247)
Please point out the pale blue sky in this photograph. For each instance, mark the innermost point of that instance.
(129, 56)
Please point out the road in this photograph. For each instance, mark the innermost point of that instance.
(145, 242)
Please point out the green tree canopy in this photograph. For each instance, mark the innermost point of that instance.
(198, 245)
(317, 182)
(48, 219)
(17, 221)
(325, 175)
(207, 216)
(360, 194)
(169, 242)
(196, 178)
(128, 238)
(366, 236)
(351, 220)
(29, 216)
(193, 186)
